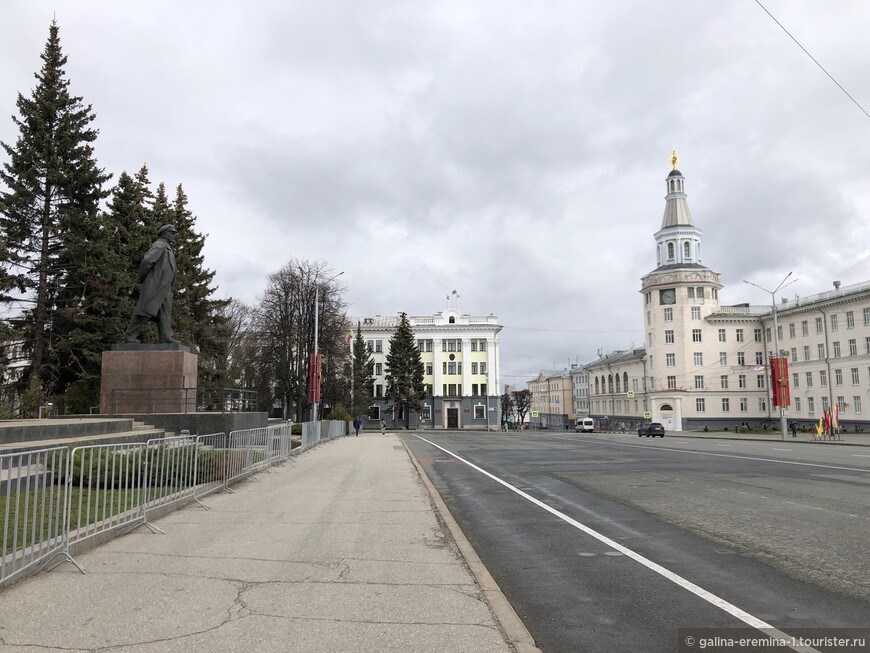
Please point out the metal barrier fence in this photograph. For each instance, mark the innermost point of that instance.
(53, 498)
(32, 507)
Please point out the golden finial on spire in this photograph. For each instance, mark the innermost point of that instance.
(674, 158)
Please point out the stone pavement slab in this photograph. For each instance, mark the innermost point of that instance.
(339, 550)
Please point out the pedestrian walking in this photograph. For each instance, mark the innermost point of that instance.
(357, 423)
(383, 426)
(794, 429)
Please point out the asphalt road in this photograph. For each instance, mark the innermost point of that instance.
(619, 541)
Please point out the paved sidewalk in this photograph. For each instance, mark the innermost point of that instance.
(340, 550)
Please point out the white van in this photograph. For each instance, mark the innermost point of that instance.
(585, 425)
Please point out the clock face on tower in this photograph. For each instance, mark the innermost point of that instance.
(667, 296)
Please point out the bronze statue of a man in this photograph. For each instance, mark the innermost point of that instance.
(156, 276)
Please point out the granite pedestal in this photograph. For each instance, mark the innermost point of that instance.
(140, 378)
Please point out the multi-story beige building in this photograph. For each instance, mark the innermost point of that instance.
(705, 364)
(461, 363)
(552, 402)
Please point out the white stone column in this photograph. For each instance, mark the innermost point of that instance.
(436, 369)
(466, 368)
(491, 367)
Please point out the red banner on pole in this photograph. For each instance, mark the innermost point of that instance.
(779, 382)
(317, 379)
(311, 374)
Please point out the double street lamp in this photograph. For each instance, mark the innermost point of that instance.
(773, 382)
(316, 375)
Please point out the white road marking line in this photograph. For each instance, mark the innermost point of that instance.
(723, 445)
(731, 455)
(861, 455)
(777, 449)
(698, 591)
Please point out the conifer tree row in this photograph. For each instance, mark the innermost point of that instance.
(405, 372)
(68, 272)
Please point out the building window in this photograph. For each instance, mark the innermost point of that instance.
(379, 346)
(856, 405)
(867, 344)
(379, 369)
(741, 381)
(379, 390)
(805, 328)
(723, 381)
(850, 319)
(696, 313)
(739, 335)
(474, 368)
(473, 344)
(474, 390)
(811, 405)
(836, 349)
(867, 317)
(853, 347)
(721, 335)
(483, 368)
(699, 382)
(794, 354)
(838, 377)
(855, 378)
(819, 326)
(479, 411)
(759, 381)
(807, 352)
(741, 358)
(767, 333)
(744, 405)
(791, 330)
(669, 315)
(797, 404)
(835, 323)
(723, 358)
(451, 367)
(759, 358)
(762, 404)
(669, 337)
(371, 345)
(796, 380)
(451, 388)
(672, 383)
(757, 334)
(699, 293)
(686, 250)
(670, 360)
(699, 359)
(429, 369)
(690, 293)
(821, 351)
(823, 378)
(809, 379)
(726, 405)
(699, 405)
(483, 388)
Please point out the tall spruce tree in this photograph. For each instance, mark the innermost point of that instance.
(405, 371)
(48, 213)
(197, 316)
(363, 376)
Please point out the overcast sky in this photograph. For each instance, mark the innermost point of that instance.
(513, 151)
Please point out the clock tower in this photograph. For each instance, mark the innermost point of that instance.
(678, 295)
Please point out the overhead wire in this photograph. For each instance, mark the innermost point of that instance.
(840, 86)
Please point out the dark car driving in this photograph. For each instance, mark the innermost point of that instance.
(651, 430)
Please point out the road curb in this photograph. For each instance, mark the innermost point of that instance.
(515, 632)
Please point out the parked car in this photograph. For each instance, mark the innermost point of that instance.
(651, 430)
(585, 425)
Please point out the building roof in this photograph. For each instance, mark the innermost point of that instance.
(619, 357)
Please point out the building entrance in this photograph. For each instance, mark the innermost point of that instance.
(453, 418)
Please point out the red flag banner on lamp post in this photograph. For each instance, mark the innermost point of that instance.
(311, 376)
(779, 382)
(314, 378)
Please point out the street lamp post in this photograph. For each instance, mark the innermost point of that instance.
(782, 284)
(316, 338)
